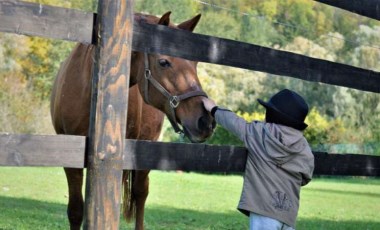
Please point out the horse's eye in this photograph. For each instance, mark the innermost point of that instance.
(164, 63)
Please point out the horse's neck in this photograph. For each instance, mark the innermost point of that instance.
(137, 70)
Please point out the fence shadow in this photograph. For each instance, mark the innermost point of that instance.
(321, 224)
(164, 217)
(22, 213)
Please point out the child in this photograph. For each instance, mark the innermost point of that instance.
(279, 159)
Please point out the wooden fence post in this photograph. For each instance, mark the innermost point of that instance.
(108, 113)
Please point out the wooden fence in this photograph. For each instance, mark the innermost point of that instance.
(70, 151)
(42, 150)
(368, 8)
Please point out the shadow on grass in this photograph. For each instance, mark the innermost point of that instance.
(320, 224)
(21, 213)
(164, 217)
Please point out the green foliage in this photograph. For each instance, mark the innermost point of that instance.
(11, 47)
(298, 14)
(21, 111)
(269, 8)
(344, 22)
(322, 129)
(258, 30)
(42, 62)
(219, 24)
(234, 88)
(43, 56)
(180, 12)
(222, 136)
(365, 54)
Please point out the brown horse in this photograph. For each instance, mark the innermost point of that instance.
(168, 85)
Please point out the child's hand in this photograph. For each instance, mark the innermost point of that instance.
(208, 104)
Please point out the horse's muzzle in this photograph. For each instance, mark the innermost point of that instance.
(207, 124)
(204, 129)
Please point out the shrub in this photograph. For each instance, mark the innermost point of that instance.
(21, 111)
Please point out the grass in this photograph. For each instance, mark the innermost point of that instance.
(35, 198)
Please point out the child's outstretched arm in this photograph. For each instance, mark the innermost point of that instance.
(226, 118)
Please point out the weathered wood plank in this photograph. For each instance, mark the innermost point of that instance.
(68, 151)
(215, 158)
(368, 8)
(346, 164)
(108, 114)
(160, 39)
(180, 156)
(41, 150)
(46, 21)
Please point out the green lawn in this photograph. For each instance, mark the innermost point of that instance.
(35, 198)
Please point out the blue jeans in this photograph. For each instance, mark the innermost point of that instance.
(259, 222)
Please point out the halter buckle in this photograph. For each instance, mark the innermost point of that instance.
(174, 102)
(147, 74)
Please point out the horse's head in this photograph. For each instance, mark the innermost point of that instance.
(171, 85)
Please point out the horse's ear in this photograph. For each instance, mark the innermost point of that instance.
(190, 24)
(165, 19)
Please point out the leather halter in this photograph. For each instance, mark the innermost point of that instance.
(173, 100)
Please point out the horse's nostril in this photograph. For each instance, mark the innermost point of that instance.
(205, 123)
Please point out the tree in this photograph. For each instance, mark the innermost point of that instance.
(257, 29)
(296, 18)
(12, 48)
(219, 24)
(366, 53)
(180, 12)
(233, 87)
(42, 62)
(21, 111)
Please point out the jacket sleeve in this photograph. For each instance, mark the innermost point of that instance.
(230, 121)
(308, 174)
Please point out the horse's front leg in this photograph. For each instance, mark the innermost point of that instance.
(75, 205)
(140, 192)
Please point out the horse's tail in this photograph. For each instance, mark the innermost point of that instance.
(129, 202)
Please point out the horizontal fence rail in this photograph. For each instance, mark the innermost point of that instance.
(160, 39)
(46, 21)
(192, 46)
(41, 150)
(69, 151)
(368, 8)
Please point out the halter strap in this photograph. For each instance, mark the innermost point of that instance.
(173, 100)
